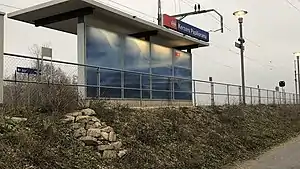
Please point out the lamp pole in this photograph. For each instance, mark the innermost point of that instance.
(298, 69)
(297, 54)
(296, 84)
(242, 60)
(241, 46)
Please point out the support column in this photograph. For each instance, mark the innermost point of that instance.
(81, 56)
(1, 55)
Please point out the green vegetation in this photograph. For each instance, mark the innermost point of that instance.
(169, 138)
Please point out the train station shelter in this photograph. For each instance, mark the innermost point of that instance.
(129, 58)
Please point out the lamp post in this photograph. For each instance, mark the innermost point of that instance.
(297, 54)
(240, 14)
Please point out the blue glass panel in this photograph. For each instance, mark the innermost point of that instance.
(92, 80)
(161, 95)
(183, 96)
(110, 78)
(137, 55)
(103, 48)
(164, 84)
(132, 80)
(110, 92)
(146, 94)
(182, 59)
(183, 89)
(132, 93)
(161, 60)
(182, 72)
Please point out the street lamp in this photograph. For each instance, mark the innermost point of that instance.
(240, 14)
(297, 54)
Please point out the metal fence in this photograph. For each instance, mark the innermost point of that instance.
(22, 87)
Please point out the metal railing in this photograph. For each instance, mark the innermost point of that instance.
(61, 73)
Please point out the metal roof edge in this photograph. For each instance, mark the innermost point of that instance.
(36, 7)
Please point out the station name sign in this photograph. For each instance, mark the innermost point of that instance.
(185, 28)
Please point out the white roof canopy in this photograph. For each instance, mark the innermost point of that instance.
(62, 15)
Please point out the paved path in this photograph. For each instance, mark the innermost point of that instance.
(285, 156)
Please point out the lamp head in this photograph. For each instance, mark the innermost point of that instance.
(297, 54)
(240, 13)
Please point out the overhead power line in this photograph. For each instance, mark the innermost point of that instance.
(132, 9)
(292, 5)
(248, 58)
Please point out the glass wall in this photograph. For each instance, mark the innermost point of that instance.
(136, 58)
(182, 69)
(103, 48)
(108, 49)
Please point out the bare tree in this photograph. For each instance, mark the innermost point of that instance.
(50, 88)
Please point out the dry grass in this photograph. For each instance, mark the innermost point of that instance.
(169, 138)
(203, 137)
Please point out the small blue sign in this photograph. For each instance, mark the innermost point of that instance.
(192, 31)
(27, 70)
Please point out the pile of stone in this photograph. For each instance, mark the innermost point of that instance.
(92, 132)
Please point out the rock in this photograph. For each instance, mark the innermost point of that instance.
(105, 147)
(75, 114)
(109, 154)
(68, 119)
(89, 141)
(100, 142)
(117, 145)
(88, 112)
(95, 119)
(99, 154)
(83, 119)
(80, 132)
(93, 132)
(112, 136)
(105, 135)
(96, 125)
(107, 129)
(122, 153)
(16, 119)
(77, 125)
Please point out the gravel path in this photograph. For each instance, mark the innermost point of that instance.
(285, 156)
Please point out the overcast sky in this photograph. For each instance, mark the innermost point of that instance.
(271, 29)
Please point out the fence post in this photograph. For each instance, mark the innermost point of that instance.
(251, 99)
(280, 97)
(212, 91)
(98, 83)
(195, 100)
(141, 89)
(267, 96)
(294, 100)
(240, 94)
(259, 96)
(274, 101)
(228, 95)
(1, 55)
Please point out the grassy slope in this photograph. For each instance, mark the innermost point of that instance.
(185, 138)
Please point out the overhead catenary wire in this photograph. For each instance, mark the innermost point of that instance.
(292, 5)
(237, 53)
